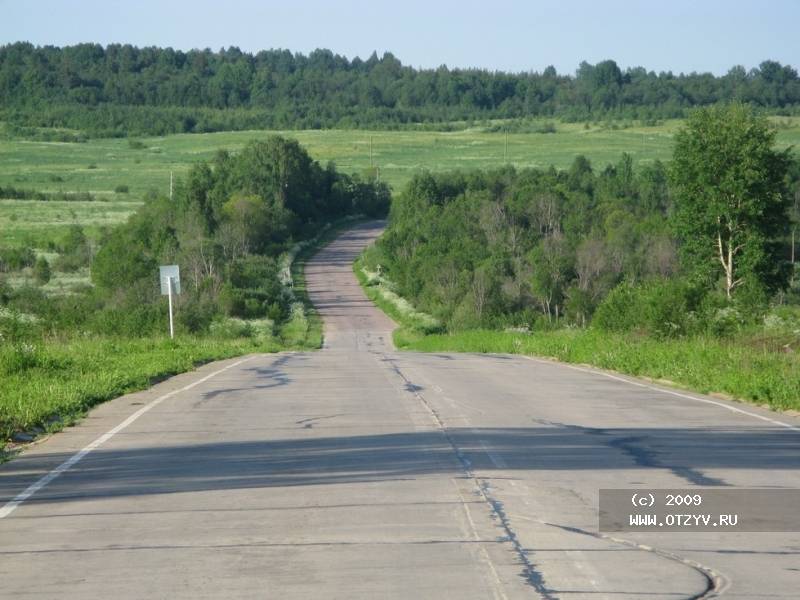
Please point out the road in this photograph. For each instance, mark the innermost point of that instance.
(363, 472)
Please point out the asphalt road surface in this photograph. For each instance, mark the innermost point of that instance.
(362, 472)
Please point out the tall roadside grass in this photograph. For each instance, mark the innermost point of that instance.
(415, 324)
(704, 364)
(46, 385)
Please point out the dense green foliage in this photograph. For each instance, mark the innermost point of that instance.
(226, 229)
(229, 228)
(534, 248)
(541, 253)
(731, 205)
(509, 248)
(121, 89)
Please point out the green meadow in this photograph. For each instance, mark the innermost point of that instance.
(35, 223)
(101, 166)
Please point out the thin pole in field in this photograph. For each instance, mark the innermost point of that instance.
(370, 152)
(505, 150)
(170, 186)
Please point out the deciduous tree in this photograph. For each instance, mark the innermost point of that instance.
(731, 208)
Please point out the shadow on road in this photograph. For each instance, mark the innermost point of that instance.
(326, 460)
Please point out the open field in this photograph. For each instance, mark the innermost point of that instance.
(35, 223)
(99, 166)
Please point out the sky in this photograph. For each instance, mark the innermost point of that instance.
(507, 35)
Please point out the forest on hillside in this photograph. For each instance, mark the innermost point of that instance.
(122, 89)
(652, 249)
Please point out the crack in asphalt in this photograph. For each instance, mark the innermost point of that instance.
(716, 583)
(531, 575)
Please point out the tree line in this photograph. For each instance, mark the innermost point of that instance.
(700, 245)
(121, 89)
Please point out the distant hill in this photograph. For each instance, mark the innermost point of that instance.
(121, 90)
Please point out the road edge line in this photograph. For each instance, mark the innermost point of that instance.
(663, 391)
(42, 482)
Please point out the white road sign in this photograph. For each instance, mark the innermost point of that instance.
(165, 273)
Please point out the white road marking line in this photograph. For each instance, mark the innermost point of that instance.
(12, 505)
(670, 392)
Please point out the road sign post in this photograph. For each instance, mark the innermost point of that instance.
(170, 278)
(171, 326)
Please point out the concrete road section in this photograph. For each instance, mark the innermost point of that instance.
(362, 472)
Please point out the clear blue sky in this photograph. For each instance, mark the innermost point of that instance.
(677, 35)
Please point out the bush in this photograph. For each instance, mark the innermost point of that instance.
(196, 314)
(17, 358)
(68, 263)
(137, 321)
(229, 329)
(783, 318)
(5, 291)
(662, 309)
(29, 300)
(121, 189)
(16, 259)
(669, 308)
(719, 317)
(231, 300)
(41, 271)
(16, 327)
(255, 272)
(617, 311)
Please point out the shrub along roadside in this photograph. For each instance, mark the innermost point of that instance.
(703, 363)
(414, 325)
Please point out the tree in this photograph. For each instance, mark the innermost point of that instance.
(730, 205)
(551, 266)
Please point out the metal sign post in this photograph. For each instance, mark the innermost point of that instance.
(171, 326)
(170, 277)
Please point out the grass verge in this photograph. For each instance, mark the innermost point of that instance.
(704, 364)
(414, 325)
(48, 385)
